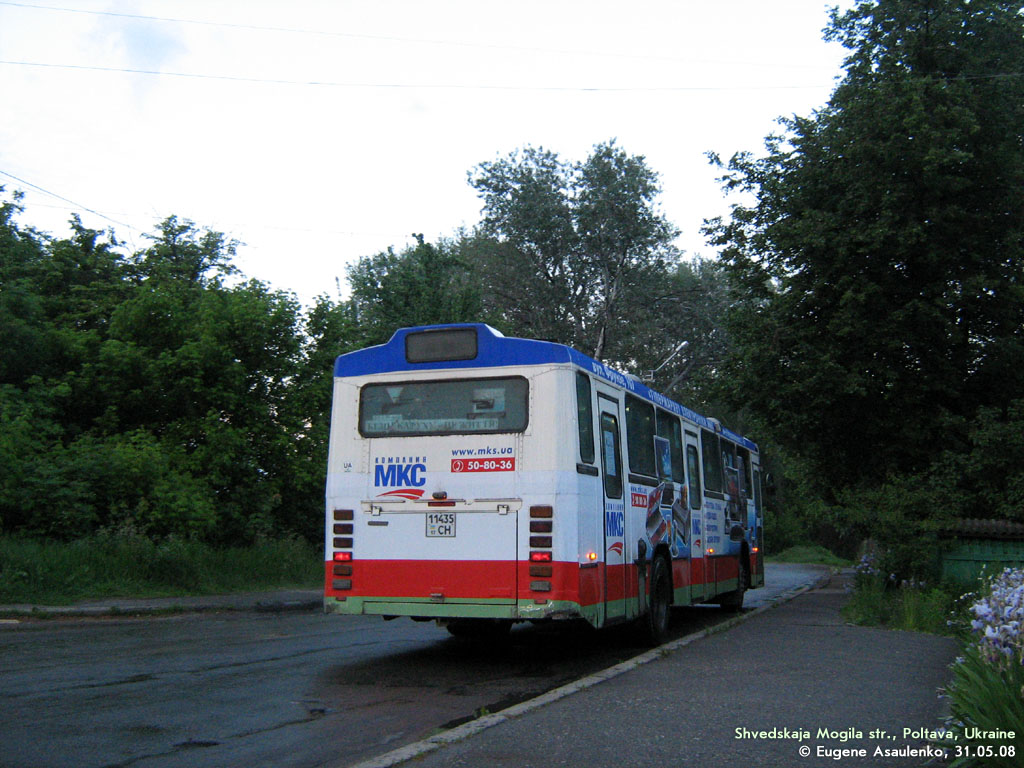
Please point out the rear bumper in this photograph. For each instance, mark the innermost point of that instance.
(522, 610)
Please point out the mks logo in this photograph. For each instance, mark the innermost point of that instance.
(399, 474)
(613, 522)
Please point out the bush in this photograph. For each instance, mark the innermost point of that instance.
(880, 600)
(127, 564)
(809, 553)
(987, 691)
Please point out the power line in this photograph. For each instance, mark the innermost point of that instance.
(71, 205)
(364, 36)
(456, 86)
(399, 86)
(77, 206)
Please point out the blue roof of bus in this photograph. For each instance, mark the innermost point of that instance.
(496, 349)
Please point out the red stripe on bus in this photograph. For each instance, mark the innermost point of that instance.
(509, 579)
(464, 579)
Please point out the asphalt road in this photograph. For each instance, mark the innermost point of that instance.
(293, 689)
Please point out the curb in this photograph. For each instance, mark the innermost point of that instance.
(292, 605)
(14, 612)
(464, 731)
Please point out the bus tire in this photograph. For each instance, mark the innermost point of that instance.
(733, 601)
(656, 621)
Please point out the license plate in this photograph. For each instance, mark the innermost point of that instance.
(440, 524)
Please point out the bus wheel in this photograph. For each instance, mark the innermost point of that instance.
(733, 601)
(656, 622)
(479, 629)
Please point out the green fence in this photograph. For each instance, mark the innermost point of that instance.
(964, 561)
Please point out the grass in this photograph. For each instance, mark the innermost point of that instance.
(59, 573)
(810, 554)
(990, 697)
(916, 609)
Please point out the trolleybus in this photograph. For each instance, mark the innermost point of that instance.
(480, 480)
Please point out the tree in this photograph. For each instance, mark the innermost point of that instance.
(576, 247)
(143, 391)
(180, 251)
(330, 329)
(879, 268)
(624, 242)
(206, 370)
(690, 307)
(423, 285)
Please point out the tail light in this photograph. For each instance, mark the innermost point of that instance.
(344, 528)
(542, 522)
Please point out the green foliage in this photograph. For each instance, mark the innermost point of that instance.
(690, 305)
(126, 563)
(984, 696)
(424, 285)
(905, 516)
(925, 610)
(872, 295)
(877, 328)
(878, 600)
(142, 390)
(808, 553)
(577, 248)
(987, 690)
(989, 469)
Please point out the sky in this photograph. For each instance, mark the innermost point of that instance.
(316, 132)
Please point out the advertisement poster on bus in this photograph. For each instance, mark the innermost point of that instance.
(667, 517)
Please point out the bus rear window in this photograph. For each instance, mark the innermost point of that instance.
(454, 407)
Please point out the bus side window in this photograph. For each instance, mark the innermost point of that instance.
(748, 485)
(712, 462)
(744, 489)
(585, 416)
(757, 492)
(729, 457)
(732, 481)
(640, 436)
(610, 456)
(693, 468)
(743, 471)
(670, 429)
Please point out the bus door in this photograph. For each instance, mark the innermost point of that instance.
(695, 495)
(757, 577)
(614, 509)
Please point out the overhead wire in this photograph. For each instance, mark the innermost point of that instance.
(398, 85)
(365, 36)
(76, 205)
(392, 85)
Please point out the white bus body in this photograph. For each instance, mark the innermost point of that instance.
(473, 476)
